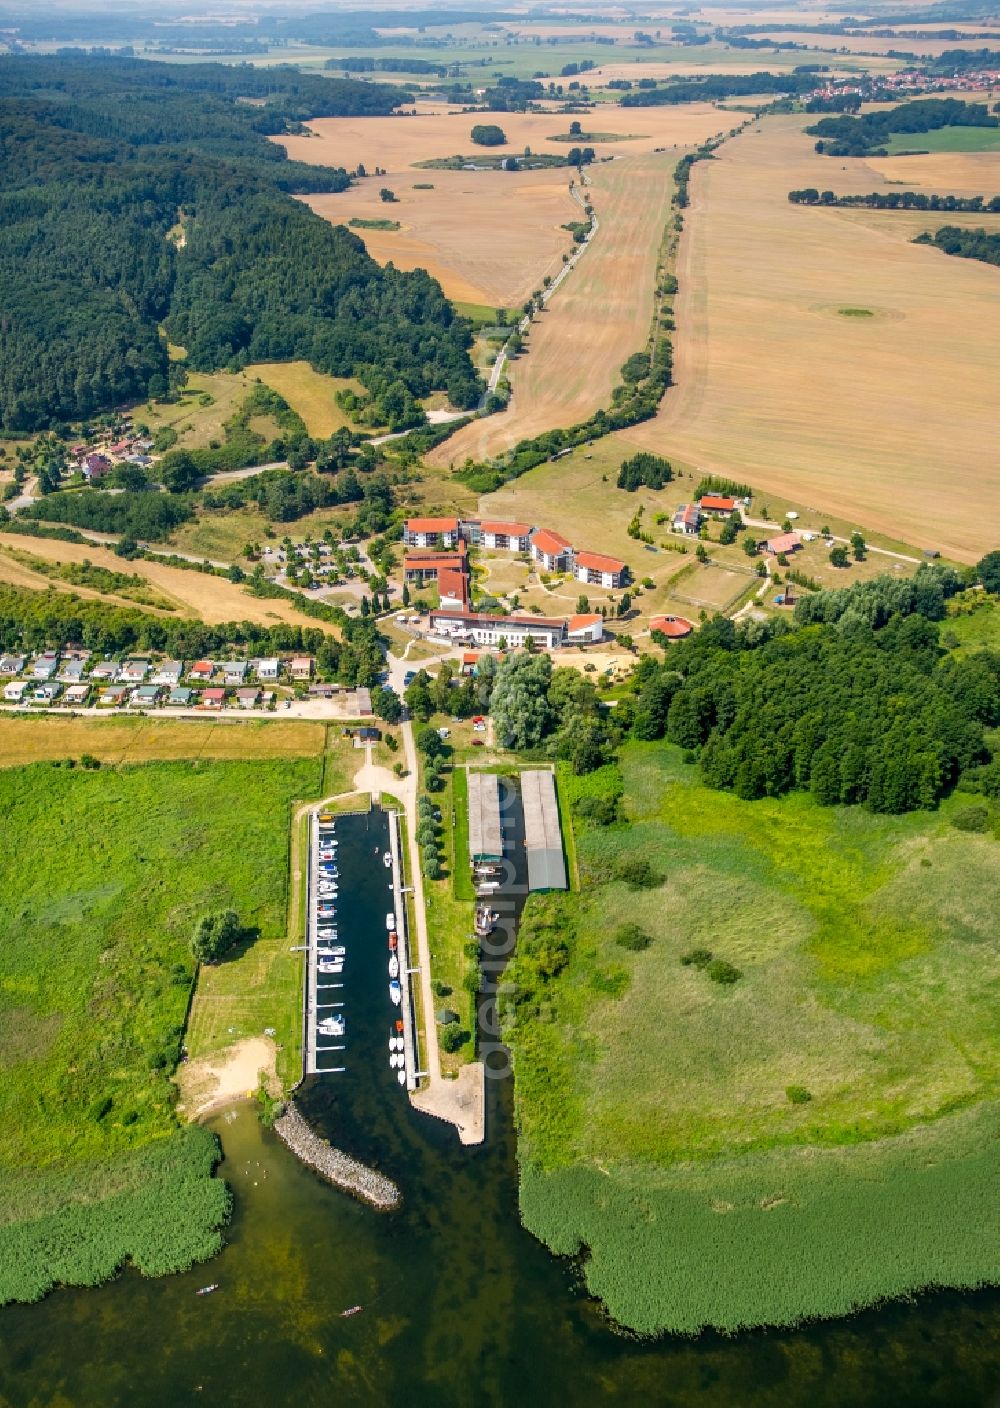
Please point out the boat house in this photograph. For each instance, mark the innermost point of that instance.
(542, 837)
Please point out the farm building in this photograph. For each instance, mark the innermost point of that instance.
(485, 835)
(542, 838)
(597, 570)
(784, 542)
(720, 505)
(687, 520)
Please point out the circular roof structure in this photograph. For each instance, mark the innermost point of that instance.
(673, 627)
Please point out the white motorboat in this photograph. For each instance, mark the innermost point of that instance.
(387, 860)
(393, 966)
(327, 887)
(390, 921)
(395, 992)
(331, 1026)
(397, 1061)
(330, 965)
(337, 952)
(326, 933)
(401, 1077)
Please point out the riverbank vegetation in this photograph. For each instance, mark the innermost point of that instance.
(106, 872)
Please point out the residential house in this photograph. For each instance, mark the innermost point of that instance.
(506, 537)
(168, 673)
(784, 542)
(369, 735)
(76, 695)
(213, 698)
(483, 629)
(585, 629)
(113, 696)
(597, 570)
(300, 667)
(95, 467)
(11, 664)
(13, 693)
(47, 692)
(105, 670)
(719, 505)
(72, 670)
(687, 520)
(552, 551)
(470, 659)
(44, 666)
(133, 671)
(180, 697)
(430, 532)
(147, 696)
(249, 697)
(201, 671)
(268, 669)
(234, 672)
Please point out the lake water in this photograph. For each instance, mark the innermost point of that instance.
(461, 1305)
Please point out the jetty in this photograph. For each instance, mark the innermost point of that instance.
(333, 1165)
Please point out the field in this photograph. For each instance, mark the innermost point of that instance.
(834, 1110)
(308, 392)
(596, 320)
(101, 883)
(48, 738)
(213, 599)
(855, 416)
(489, 237)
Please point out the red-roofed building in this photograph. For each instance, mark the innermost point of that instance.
(96, 467)
(719, 504)
(453, 590)
(470, 659)
(213, 698)
(673, 627)
(551, 550)
(424, 566)
(202, 670)
(512, 537)
(784, 542)
(430, 532)
(598, 570)
(585, 629)
(687, 520)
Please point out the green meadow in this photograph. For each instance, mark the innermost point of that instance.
(811, 1137)
(103, 875)
(946, 139)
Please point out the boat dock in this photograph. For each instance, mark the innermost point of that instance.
(403, 951)
(324, 992)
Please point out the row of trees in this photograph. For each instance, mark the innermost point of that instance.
(896, 200)
(966, 244)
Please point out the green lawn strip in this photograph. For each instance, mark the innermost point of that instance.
(868, 978)
(104, 878)
(450, 913)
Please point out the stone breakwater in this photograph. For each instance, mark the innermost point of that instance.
(333, 1165)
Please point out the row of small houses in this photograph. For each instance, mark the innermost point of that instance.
(75, 667)
(143, 696)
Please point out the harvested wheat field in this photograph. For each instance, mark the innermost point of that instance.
(213, 599)
(489, 237)
(886, 415)
(597, 319)
(47, 737)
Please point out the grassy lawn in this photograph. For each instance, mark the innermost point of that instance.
(310, 393)
(869, 978)
(104, 877)
(197, 424)
(978, 629)
(450, 904)
(46, 737)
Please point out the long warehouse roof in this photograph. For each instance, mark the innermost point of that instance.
(542, 838)
(485, 839)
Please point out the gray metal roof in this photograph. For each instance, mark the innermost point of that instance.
(485, 839)
(542, 838)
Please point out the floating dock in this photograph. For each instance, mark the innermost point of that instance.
(403, 953)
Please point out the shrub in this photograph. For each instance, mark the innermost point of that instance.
(798, 1094)
(452, 1037)
(972, 819)
(637, 873)
(697, 958)
(215, 935)
(632, 937)
(722, 972)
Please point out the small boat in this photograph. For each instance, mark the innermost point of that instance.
(393, 966)
(326, 933)
(387, 860)
(399, 1042)
(401, 1077)
(351, 1310)
(333, 951)
(399, 1024)
(207, 1290)
(395, 992)
(396, 1061)
(486, 918)
(331, 1026)
(393, 941)
(390, 921)
(330, 966)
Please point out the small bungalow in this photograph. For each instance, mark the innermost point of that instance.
(300, 667)
(76, 694)
(145, 697)
(113, 697)
(234, 671)
(46, 693)
(201, 671)
(95, 467)
(11, 664)
(470, 659)
(13, 693)
(369, 735)
(105, 670)
(45, 665)
(168, 673)
(687, 520)
(213, 698)
(268, 669)
(784, 542)
(719, 505)
(72, 670)
(249, 697)
(180, 697)
(134, 671)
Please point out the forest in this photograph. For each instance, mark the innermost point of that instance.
(868, 135)
(135, 195)
(967, 244)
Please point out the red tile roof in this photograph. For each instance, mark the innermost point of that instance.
(455, 584)
(672, 626)
(433, 561)
(580, 623)
(717, 501)
(470, 657)
(512, 530)
(598, 562)
(552, 544)
(432, 525)
(784, 542)
(214, 695)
